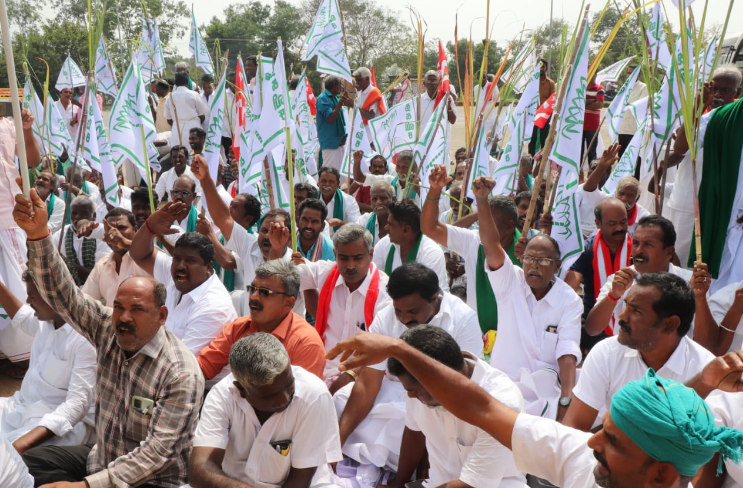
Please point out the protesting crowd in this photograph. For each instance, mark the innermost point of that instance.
(233, 283)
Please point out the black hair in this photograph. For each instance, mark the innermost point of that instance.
(177, 148)
(163, 84)
(207, 78)
(312, 192)
(202, 244)
(314, 204)
(294, 82)
(253, 59)
(666, 226)
(598, 209)
(406, 212)
(142, 195)
(378, 156)
(277, 212)
(432, 341)
(200, 133)
(332, 171)
(676, 298)
(413, 278)
(181, 78)
(506, 206)
(252, 207)
(521, 196)
(331, 82)
(119, 211)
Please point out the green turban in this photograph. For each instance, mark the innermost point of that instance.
(672, 424)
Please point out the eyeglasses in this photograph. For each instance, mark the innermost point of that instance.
(538, 261)
(179, 193)
(264, 292)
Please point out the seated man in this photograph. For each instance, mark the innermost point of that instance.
(117, 232)
(719, 327)
(303, 191)
(141, 205)
(184, 191)
(459, 454)
(76, 183)
(405, 243)
(198, 303)
(451, 215)
(381, 196)
(269, 423)
(372, 409)
(657, 315)
(591, 192)
(312, 242)
(46, 184)
(80, 253)
(522, 201)
(271, 297)
(397, 180)
(342, 207)
(377, 167)
(165, 182)
(14, 472)
(55, 403)
(149, 387)
(628, 191)
(538, 314)
(652, 252)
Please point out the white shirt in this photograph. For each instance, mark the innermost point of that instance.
(719, 305)
(460, 451)
(56, 220)
(309, 423)
(60, 380)
(188, 106)
(14, 473)
(551, 451)
(728, 409)
(610, 366)
(466, 243)
(72, 112)
(533, 334)
(351, 212)
(166, 181)
(606, 288)
(454, 317)
(364, 219)
(427, 107)
(429, 255)
(196, 317)
(101, 248)
(586, 202)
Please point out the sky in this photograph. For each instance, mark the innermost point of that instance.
(508, 17)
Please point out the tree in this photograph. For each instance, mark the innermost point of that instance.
(458, 68)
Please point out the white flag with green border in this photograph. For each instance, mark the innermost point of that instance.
(105, 74)
(31, 102)
(98, 152)
(506, 168)
(325, 40)
(70, 75)
(615, 113)
(197, 47)
(213, 143)
(626, 164)
(395, 130)
(56, 127)
(613, 72)
(566, 219)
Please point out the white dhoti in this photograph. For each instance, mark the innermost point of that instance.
(14, 343)
(377, 438)
(333, 158)
(17, 419)
(683, 222)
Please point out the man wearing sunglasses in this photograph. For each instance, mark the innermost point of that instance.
(538, 313)
(185, 220)
(165, 182)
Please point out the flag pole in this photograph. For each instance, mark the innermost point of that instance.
(292, 210)
(15, 101)
(408, 181)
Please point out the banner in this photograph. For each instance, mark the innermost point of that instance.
(566, 220)
(507, 167)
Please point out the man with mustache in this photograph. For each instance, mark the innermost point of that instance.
(165, 182)
(377, 167)
(183, 192)
(313, 243)
(382, 195)
(199, 305)
(46, 184)
(628, 191)
(538, 313)
(653, 324)
(371, 420)
(342, 207)
(269, 423)
(149, 387)
(652, 252)
(657, 433)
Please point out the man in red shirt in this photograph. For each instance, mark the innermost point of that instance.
(594, 104)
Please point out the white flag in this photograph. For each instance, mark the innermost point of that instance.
(278, 178)
(506, 168)
(325, 40)
(566, 151)
(98, 153)
(150, 52)
(105, 74)
(480, 160)
(646, 163)
(250, 148)
(528, 104)
(197, 47)
(626, 164)
(615, 113)
(357, 141)
(70, 76)
(657, 46)
(566, 219)
(58, 136)
(613, 72)
(213, 143)
(431, 147)
(666, 104)
(520, 68)
(130, 115)
(395, 130)
(31, 102)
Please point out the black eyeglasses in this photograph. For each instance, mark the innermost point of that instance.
(179, 193)
(264, 292)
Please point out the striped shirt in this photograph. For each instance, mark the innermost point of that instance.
(133, 448)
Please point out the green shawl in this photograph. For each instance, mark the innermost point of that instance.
(338, 207)
(487, 307)
(412, 255)
(50, 206)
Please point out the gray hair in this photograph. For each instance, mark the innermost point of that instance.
(381, 184)
(628, 182)
(432, 72)
(331, 82)
(352, 232)
(82, 200)
(286, 271)
(729, 71)
(363, 72)
(182, 65)
(257, 359)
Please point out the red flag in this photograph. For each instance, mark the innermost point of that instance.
(240, 103)
(311, 98)
(544, 112)
(373, 76)
(443, 70)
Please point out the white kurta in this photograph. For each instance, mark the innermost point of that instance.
(56, 220)
(466, 243)
(430, 255)
(14, 472)
(309, 425)
(364, 219)
(351, 212)
(728, 411)
(184, 107)
(719, 305)
(72, 112)
(58, 389)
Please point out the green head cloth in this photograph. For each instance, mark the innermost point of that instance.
(672, 424)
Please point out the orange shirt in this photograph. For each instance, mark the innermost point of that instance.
(300, 339)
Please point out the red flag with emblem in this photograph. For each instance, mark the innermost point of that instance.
(443, 70)
(544, 112)
(240, 103)
(311, 98)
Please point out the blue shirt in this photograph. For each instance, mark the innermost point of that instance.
(327, 249)
(327, 132)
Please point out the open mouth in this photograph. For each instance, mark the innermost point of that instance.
(180, 276)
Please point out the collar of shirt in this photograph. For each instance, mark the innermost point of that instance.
(676, 363)
(152, 348)
(281, 330)
(198, 293)
(364, 284)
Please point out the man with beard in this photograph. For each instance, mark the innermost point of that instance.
(398, 180)
(271, 297)
(451, 216)
(149, 387)
(46, 184)
(197, 140)
(382, 195)
(164, 186)
(371, 411)
(653, 324)
(198, 303)
(313, 244)
(342, 207)
(141, 205)
(269, 423)
(652, 252)
(538, 313)
(657, 433)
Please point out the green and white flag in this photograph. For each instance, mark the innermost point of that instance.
(613, 72)
(357, 141)
(250, 161)
(626, 164)
(566, 151)
(506, 168)
(57, 134)
(31, 102)
(657, 45)
(98, 152)
(480, 160)
(197, 47)
(615, 113)
(130, 117)
(521, 68)
(395, 130)
(325, 40)
(150, 52)
(431, 147)
(213, 143)
(70, 75)
(105, 74)
(566, 219)
(666, 103)
(526, 109)
(276, 111)
(277, 174)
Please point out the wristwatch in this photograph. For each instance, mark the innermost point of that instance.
(565, 401)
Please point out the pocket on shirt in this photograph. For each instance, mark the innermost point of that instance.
(464, 451)
(549, 347)
(274, 468)
(56, 372)
(137, 426)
